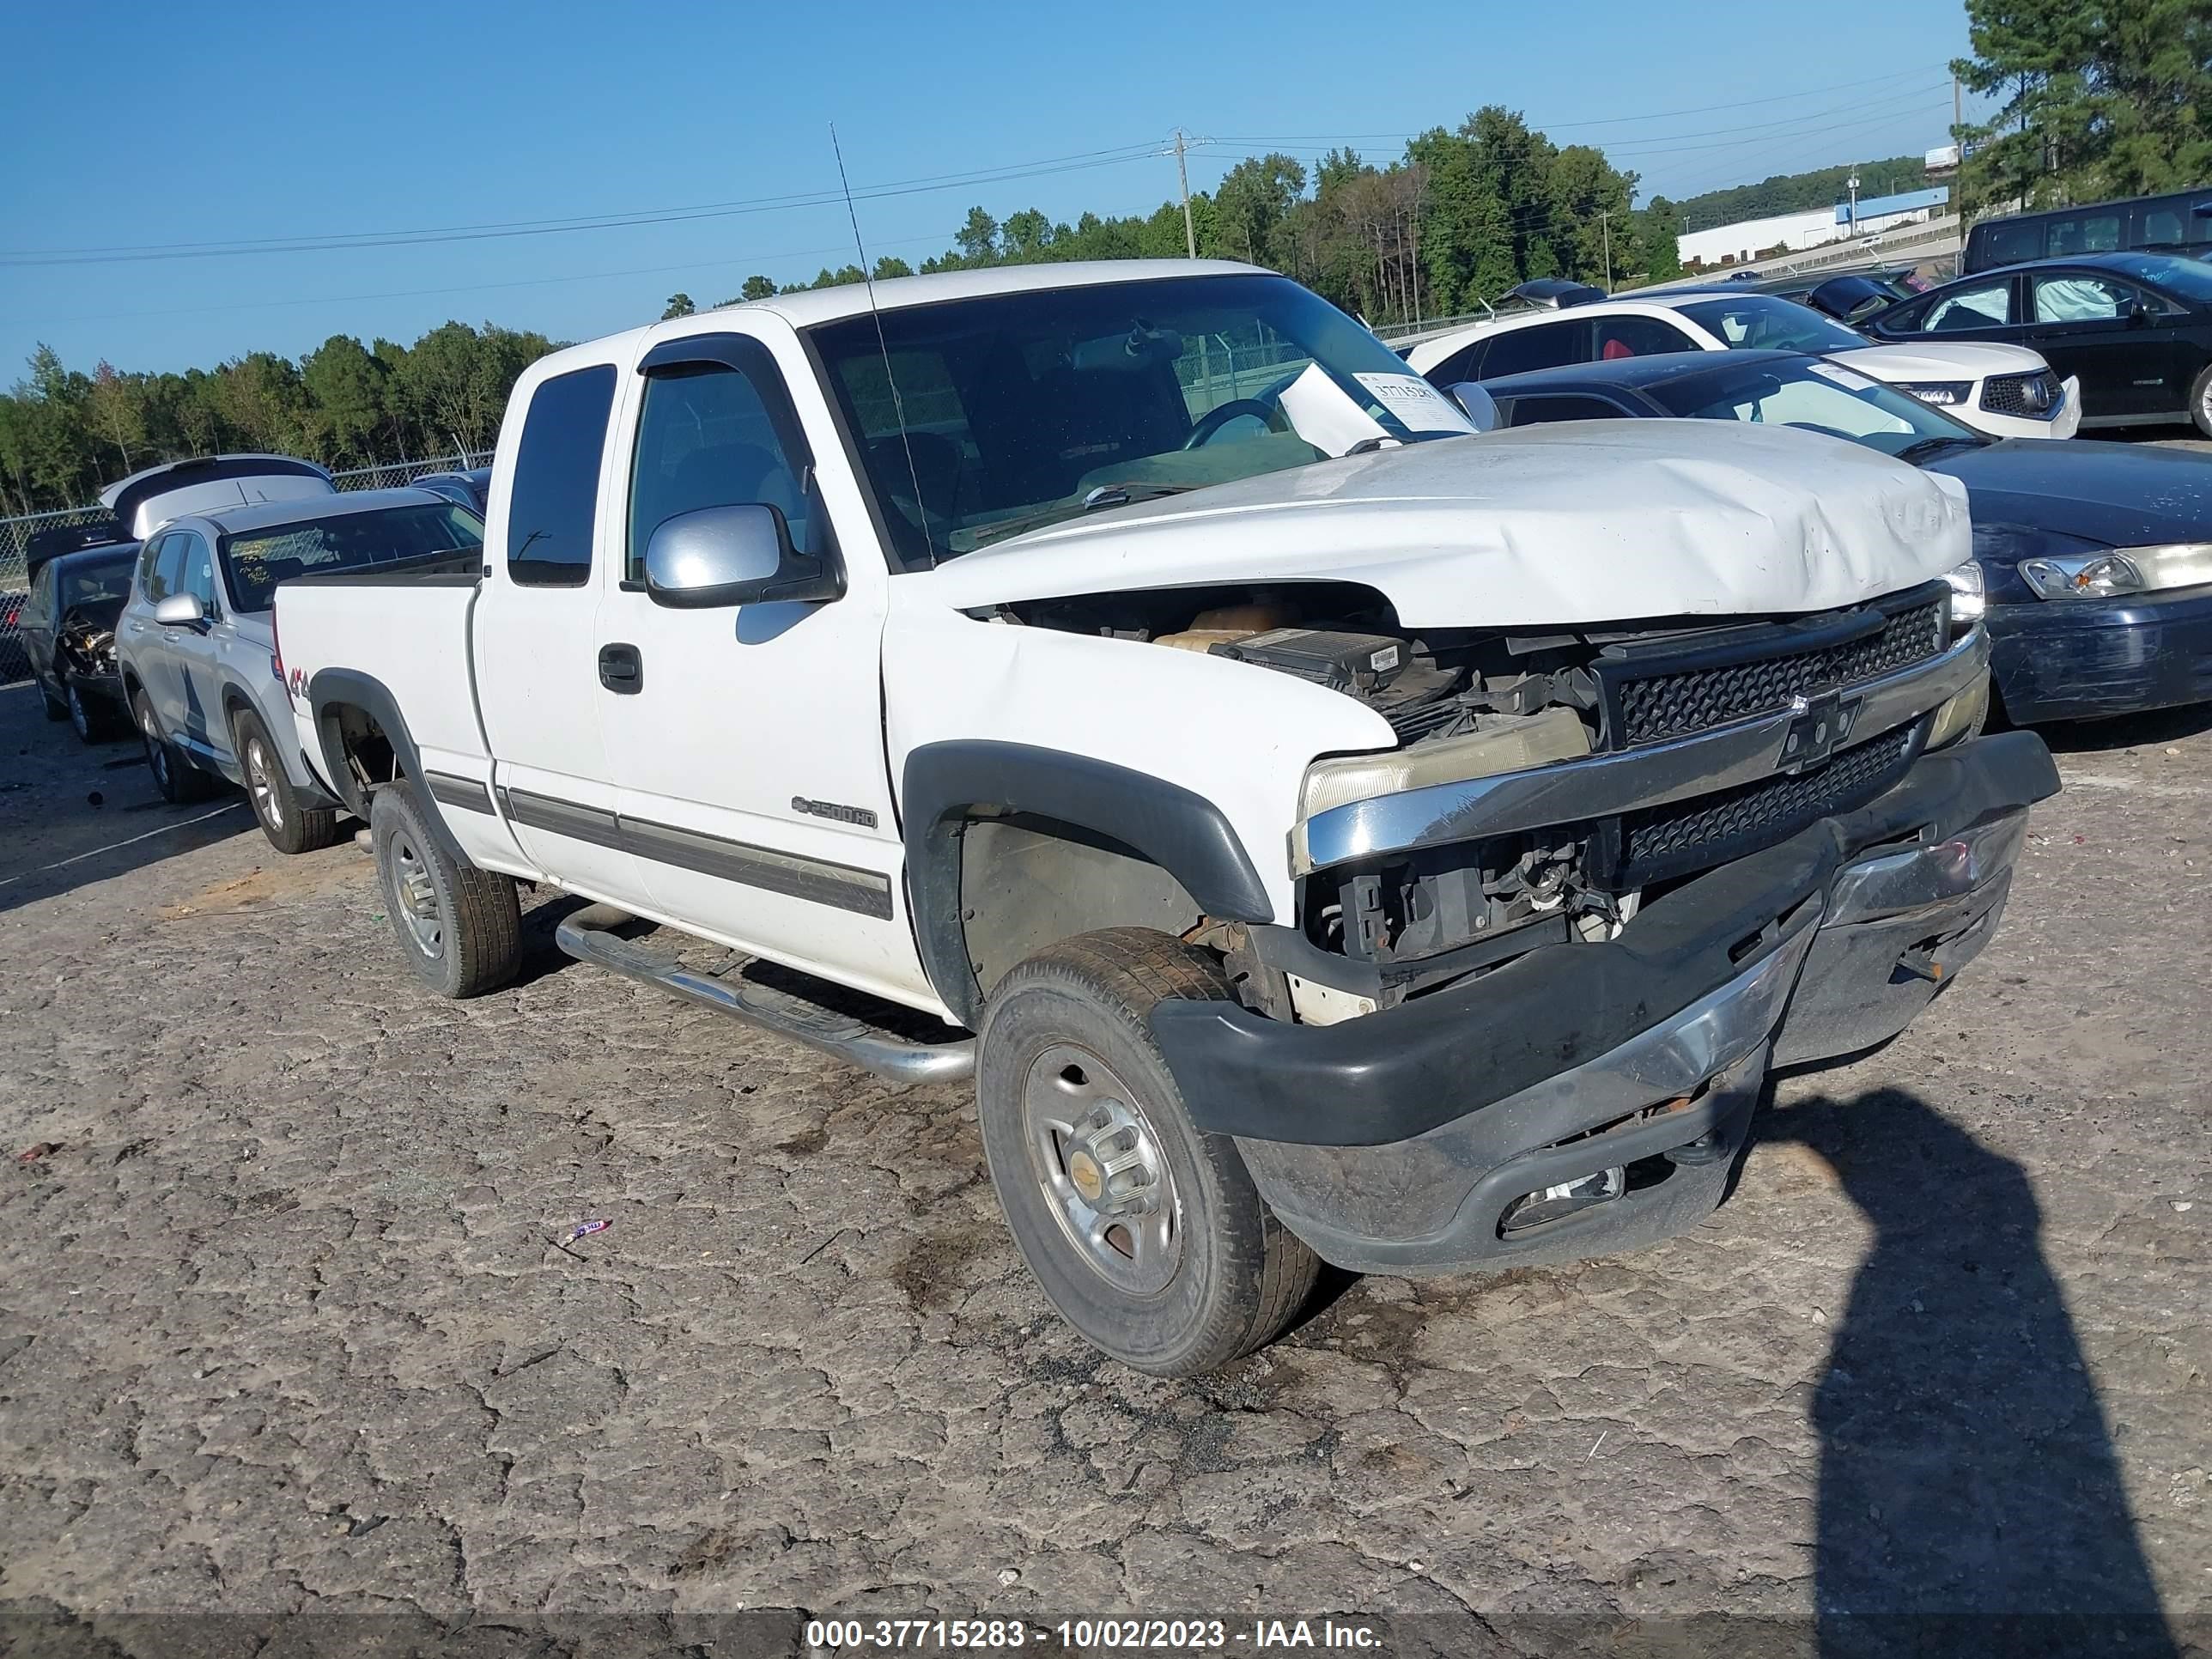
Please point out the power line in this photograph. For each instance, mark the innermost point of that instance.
(1565, 126)
(350, 241)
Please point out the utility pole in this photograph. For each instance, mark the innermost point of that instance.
(1605, 228)
(1852, 184)
(1959, 169)
(1182, 173)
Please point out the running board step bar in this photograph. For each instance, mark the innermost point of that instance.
(588, 935)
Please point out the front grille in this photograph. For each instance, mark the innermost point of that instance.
(2032, 396)
(1664, 841)
(1650, 703)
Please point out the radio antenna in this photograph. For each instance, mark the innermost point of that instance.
(898, 404)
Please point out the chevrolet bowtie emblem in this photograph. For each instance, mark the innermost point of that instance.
(1822, 725)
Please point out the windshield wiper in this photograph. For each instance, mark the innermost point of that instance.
(1098, 499)
(1913, 453)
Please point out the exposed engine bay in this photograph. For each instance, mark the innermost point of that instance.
(84, 645)
(1468, 702)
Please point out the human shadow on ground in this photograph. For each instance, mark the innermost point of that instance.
(1970, 1499)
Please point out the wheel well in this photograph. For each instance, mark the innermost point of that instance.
(351, 732)
(1028, 881)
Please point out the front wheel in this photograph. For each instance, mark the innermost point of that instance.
(2200, 401)
(88, 717)
(460, 926)
(1146, 1233)
(291, 825)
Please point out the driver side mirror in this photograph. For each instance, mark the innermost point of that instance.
(728, 556)
(1479, 406)
(2139, 312)
(180, 610)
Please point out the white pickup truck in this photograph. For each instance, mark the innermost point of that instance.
(1344, 835)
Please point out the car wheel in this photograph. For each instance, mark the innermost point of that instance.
(88, 716)
(1146, 1233)
(2200, 401)
(177, 778)
(460, 926)
(290, 826)
(57, 708)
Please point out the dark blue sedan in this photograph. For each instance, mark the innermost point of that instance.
(2094, 560)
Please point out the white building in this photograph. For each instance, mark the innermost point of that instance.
(1734, 244)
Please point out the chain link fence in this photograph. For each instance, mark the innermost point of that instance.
(16, 535)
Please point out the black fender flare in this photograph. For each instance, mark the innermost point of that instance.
(333, 689)
(947, 783)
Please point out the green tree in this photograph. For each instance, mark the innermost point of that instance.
(2107, 98)
(350, 390)
(114, 411)
(1253, 197)
(977, 239)
(757, 288)
(680, 305)
(889, 265)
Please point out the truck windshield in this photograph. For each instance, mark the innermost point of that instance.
(257, 560)
(1024, 408)
(1817, 397)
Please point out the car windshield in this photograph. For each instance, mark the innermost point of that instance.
(2189, 278)
(1759, 321)
(95, 586)
(1020, 409)
(1818, 398)
(257, 560)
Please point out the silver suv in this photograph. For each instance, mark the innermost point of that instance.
(197, 647)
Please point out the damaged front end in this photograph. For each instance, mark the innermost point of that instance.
(1547, 946)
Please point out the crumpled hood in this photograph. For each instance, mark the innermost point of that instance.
(1590, 521)
(1964, 360)
(2115, 494)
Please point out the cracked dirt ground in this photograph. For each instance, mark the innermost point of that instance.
(280, 1328)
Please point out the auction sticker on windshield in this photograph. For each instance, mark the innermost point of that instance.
(1415, 402)
(1850, 379)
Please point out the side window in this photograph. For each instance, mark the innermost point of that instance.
(1985, 305)
(2160, 228)
(2095, 233)
(554, 496)
(1464, 364)
(168, 567)
(151, 587)
(1533, 411)
(33, 614)
(2009, 242)
(1639, 336)
(706, 438)
(2078, 297)
(196, 574)
(1547, 345)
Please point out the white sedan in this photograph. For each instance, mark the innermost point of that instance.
(2005, 390)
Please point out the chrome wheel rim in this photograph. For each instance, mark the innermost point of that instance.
(416, 899)
(157, 752)
(261, 786)
(1096, 1159)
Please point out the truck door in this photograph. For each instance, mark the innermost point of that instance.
(748, 739)
(538, 680)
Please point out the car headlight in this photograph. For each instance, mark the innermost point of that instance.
(2125, 570)
(1968, 593)
(1945, 392)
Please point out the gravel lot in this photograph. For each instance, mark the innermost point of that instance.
(281, 1330)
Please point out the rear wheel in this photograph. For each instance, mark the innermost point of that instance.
(290, 826)
(177, 778)
(460, 926)
(1144, 1233)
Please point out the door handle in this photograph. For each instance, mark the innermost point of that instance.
(621, 671)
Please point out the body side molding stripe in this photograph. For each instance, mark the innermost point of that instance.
(464, 793)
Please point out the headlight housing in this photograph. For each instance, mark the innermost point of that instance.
(2123, 570)
(1968, 592)
(1944, 393)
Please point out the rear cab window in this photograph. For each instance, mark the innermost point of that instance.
(553, 497)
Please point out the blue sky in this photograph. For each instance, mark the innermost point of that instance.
(135, 124)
